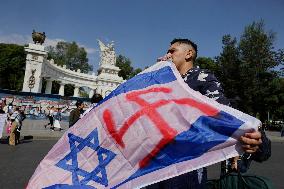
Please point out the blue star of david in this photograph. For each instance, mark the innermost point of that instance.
(92, 142)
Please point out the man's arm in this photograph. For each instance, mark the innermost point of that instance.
(211, 87)
(258, 144)
(71, 118)
(251, 141)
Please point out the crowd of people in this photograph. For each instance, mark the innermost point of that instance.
(13, 121)
(14, 116)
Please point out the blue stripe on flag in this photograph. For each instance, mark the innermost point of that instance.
(66, 186)
(141, 81)
(204, 134)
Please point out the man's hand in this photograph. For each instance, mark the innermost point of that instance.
(251, 141)
(166, 57)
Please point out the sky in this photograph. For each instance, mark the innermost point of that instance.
(141, 30)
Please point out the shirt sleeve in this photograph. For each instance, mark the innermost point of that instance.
(211, 87)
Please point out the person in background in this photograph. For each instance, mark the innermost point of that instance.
(50, 117)
(13, 132)
(4, 106)
(96, 98)
(3, 117)
(19, 119)
(282, 130)
(1, 110)
(57, 118)
(76, 113)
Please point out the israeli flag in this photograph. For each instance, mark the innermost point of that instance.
(151, 128)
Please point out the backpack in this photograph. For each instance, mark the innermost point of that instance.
(240, 181)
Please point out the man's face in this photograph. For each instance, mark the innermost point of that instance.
(178, 53)
(81, 106)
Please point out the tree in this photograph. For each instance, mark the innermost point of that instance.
(257, 60)
(71, 55)
(135, 72)
(126, 70)
(206, 63)
(228, 69)
(274, 102)
(12, 66)
(246, 70)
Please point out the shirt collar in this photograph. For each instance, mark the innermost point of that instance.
(189, 71)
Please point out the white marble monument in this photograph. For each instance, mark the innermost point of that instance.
(38, 67)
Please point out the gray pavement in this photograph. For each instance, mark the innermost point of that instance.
(21, 160)
(35, 128)
(18, 163)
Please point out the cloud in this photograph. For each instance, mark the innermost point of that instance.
(89, 50)
(16, 39)
(52, 42)
(25, 39)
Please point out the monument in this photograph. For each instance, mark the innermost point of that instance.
(38, 67)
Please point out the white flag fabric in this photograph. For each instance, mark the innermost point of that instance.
(151, 128)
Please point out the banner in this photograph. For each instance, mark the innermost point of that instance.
(151, 128)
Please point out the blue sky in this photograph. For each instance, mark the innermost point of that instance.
(141, 30)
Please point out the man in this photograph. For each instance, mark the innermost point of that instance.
(96, 98)
(50, 117)
(183, 53)
(75, 114)
(17, 118)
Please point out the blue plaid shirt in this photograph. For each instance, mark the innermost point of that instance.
(206, 83)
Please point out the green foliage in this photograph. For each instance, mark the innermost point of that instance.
(135, 72)
(83, 93)
(126, 70)
(206, 63)
(229, 74)
(71, 55)
(12, 65)
(246, 71)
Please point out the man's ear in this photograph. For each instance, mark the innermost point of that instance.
(189, 54)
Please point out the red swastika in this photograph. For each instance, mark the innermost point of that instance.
(150, 110)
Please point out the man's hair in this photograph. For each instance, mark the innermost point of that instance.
(96, 98)
(186, 41)
(79, 103)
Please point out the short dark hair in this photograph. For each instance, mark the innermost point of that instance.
(96, 98)
(186, 41)
(79, 103)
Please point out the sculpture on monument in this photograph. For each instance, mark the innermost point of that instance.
(107, 53)
(32, 80)
(38, 37)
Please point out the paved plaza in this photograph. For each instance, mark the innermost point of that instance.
(18, 163)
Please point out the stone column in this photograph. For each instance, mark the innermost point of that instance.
(76, 91)
(36, 57)
(48, 86)
(92, 92)
(61, 89)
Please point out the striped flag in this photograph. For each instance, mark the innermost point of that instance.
(151, 128)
